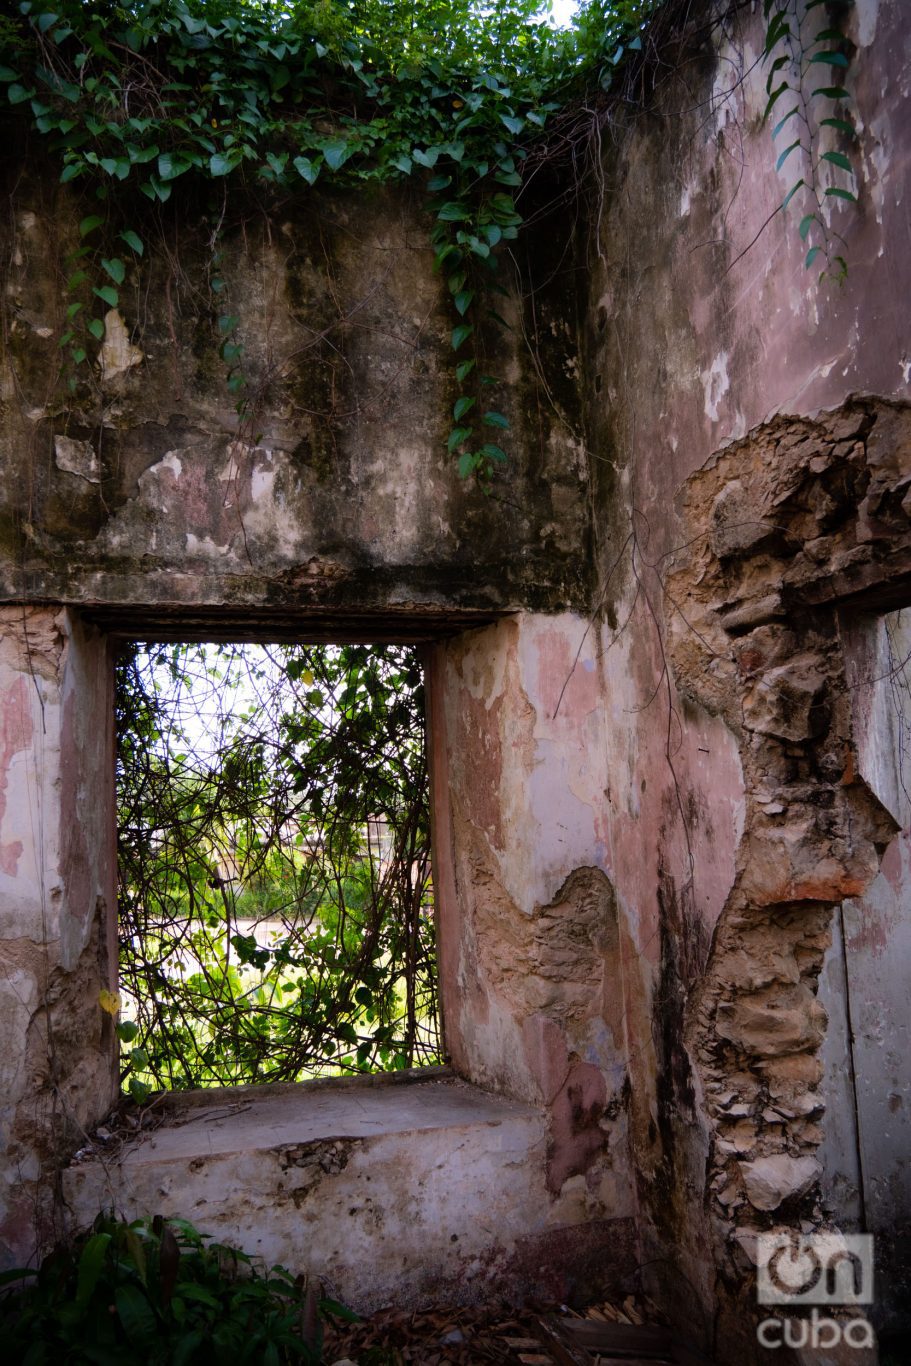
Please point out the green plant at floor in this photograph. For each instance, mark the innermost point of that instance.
(158, 1292)
(154, 95)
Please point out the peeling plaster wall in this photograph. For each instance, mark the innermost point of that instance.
(567, 952)
(406, 1190)
(740, 500)
(335, 491)
(671, 853)
(698, 332)
(56, 897)
(867, 1082)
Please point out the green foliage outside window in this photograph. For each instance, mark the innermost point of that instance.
(276, 915)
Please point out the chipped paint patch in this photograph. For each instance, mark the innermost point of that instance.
(715, 384)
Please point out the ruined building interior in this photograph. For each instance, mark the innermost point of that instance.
(668, 710)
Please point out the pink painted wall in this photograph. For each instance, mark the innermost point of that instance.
(57, 905)
(570, 925)
(704, 322)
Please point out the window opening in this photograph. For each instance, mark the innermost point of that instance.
(276, 917)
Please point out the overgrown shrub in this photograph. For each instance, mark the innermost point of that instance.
(158, 1293)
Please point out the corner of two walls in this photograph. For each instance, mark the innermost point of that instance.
(577, 908)
(748, 434)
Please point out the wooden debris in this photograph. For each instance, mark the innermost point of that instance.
(625, 1333)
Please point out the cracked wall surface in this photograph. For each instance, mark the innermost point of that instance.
(751, 473)
(671, 849)
(57, 897)
(334, 490)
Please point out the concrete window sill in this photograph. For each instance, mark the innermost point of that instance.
(387, 1189)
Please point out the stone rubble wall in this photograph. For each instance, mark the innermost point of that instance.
(747, 426)
(658, 810)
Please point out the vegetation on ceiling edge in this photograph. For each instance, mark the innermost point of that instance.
(448, 93)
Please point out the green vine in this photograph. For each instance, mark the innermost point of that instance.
(794, 56)
(444, 92)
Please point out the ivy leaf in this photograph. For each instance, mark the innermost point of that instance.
(115, 268)
(496, 420)
(306, 169)
(832, 92)
(838, 159)
(513, 124)
(17, 94)
(461, 334)
(96, 327)
(791, 192)
(464, 369)
(493, 452)
(336, 153)
(108, 295)
(830, 58)
(838, 193)
(463, 300)
(842, 125)
(456, 437)
(403, 163)
(785, 154)
(170, 167)
(811, 256)
(453, 212)
(806, 224)
(160, 190)
(468, 463)
(773, 99)
(428, 157)
(462, 406)
(133, 241)
(781, 122)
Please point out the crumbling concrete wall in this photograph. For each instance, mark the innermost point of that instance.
(749, 508)
(662, 812)
(333, 489)
(57, 900)
(404, 1189)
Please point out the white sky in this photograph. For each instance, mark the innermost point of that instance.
(562, 12)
